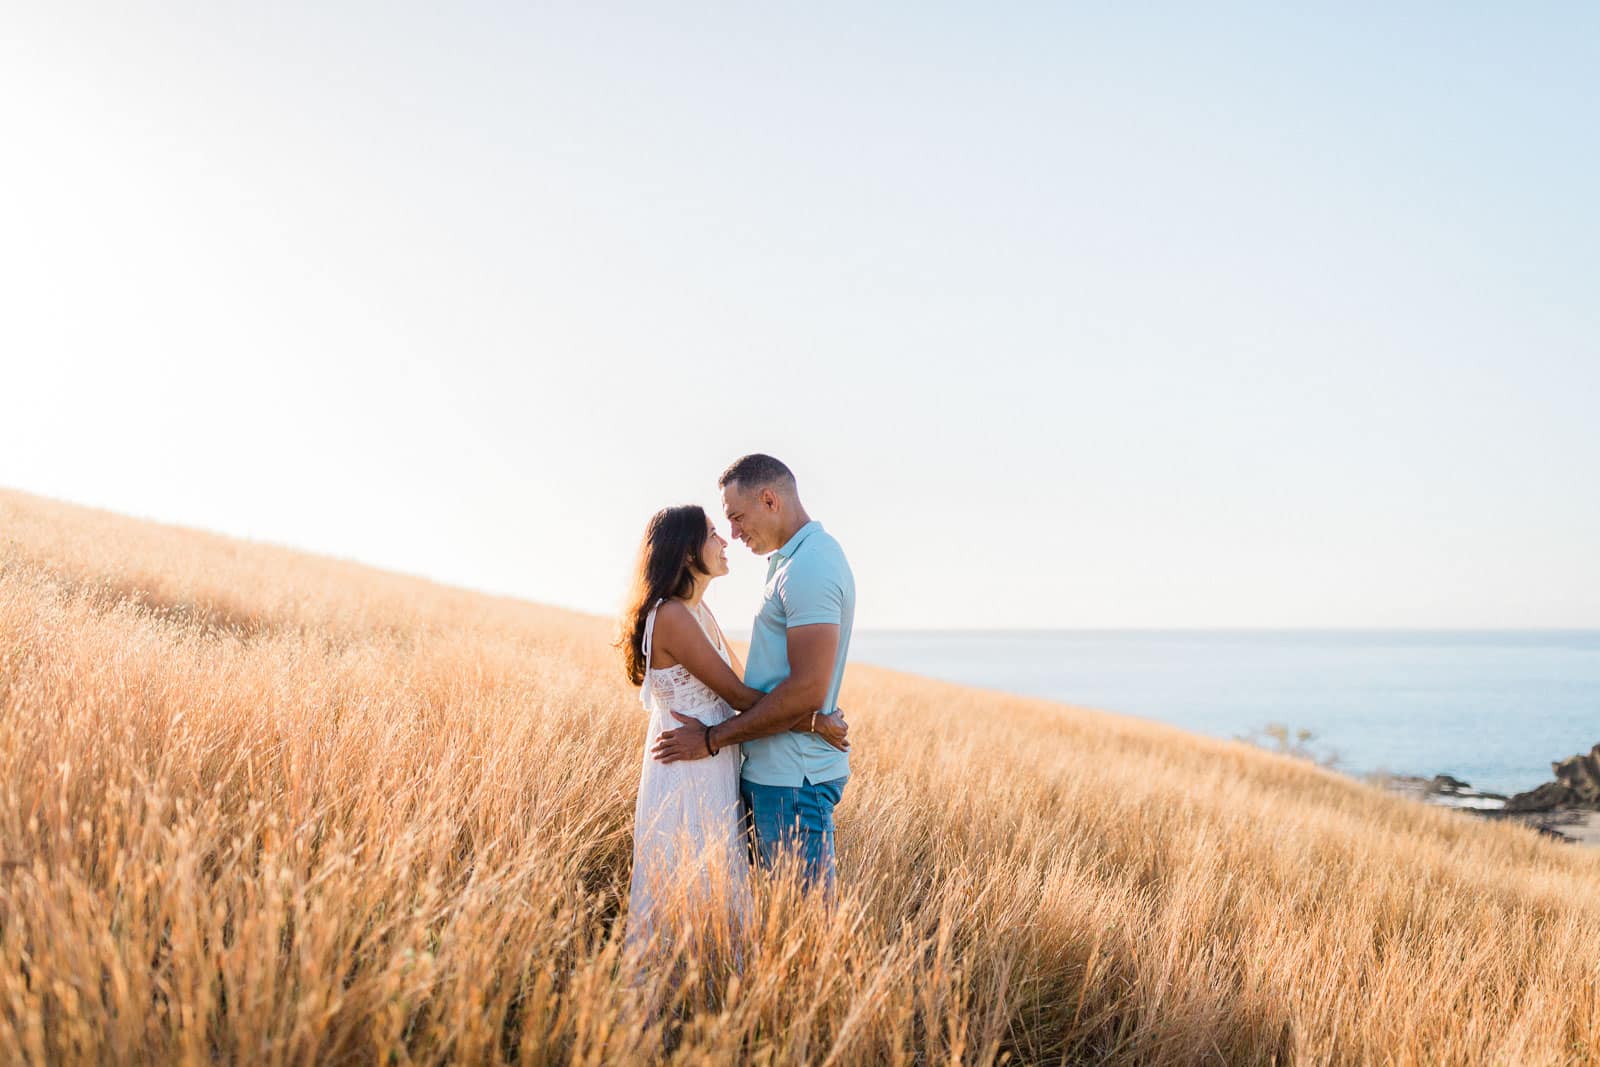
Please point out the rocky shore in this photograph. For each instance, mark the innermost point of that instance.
(1566, 808)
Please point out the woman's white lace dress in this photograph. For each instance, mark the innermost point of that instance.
(688, 844)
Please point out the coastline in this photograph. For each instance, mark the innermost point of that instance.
(1493, 707)
(1577, 826)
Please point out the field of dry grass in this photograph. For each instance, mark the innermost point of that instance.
(261, 807)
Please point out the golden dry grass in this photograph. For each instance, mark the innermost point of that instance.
(261, 807)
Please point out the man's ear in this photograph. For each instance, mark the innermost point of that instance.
(769, 500)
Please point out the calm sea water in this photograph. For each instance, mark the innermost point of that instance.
(1493, 708)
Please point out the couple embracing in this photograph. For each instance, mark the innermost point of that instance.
(741, 761)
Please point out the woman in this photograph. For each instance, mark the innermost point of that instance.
(688, 840)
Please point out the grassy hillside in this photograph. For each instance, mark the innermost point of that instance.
(262, 807)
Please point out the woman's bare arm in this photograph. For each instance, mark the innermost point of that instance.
(679, 636)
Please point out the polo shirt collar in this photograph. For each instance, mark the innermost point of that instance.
(798, 539)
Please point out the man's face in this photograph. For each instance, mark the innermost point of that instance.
(754, 516)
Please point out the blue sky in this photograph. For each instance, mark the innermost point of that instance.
(1065, 315)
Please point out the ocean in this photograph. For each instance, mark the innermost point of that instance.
(1493, 708)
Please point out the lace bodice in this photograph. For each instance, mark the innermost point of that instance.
(674, 687)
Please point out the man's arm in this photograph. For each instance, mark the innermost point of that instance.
(811, 652)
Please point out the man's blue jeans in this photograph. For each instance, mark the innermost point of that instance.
(795, 818)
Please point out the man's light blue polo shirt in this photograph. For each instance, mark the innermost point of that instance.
(808, 581)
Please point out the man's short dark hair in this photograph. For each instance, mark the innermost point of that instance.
(756, 471)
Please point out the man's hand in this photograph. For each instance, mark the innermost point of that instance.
(832, 729)
(686, 742)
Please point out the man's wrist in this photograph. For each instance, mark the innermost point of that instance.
(711, 746)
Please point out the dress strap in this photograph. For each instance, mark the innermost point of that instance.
(711, 629)
(649, 635)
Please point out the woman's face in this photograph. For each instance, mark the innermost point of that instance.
(714, 553)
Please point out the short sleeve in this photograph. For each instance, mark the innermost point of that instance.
(811, 595)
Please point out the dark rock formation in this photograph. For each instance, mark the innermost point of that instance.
(1444, 783)
(1445, 790)
(1577, 785)
(1551, 815)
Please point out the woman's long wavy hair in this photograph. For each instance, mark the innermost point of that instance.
(669, 558)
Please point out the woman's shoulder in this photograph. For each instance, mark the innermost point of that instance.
(673, 616)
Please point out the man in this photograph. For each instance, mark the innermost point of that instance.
(790, 781)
